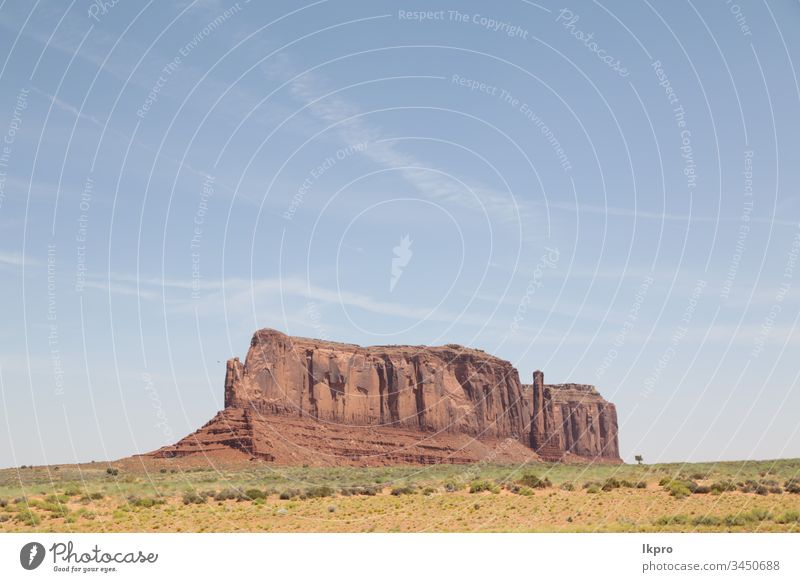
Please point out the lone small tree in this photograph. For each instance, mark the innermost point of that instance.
(639, 459)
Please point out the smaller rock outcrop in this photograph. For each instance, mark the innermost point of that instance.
(572, 420)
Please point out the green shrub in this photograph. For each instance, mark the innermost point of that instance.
(672, 520)
(792, 486)
(290, 494)
(709, 520)
(112, 471)
(28, 517)
(85, 514)
(51, 505)
(734, 520)
(790, 516)
(365, 490)
(534, 482)
(481, 485)
(369, 490)
(255, 494)
(748, 486)
(229, 493)
(145, 502)
(568, 486)
(641, 485)
(72, 491)
(404, 490)
(722, 486)
(191, 497)
(700, 489)
(3, 502)
(593, 488)
(678, 489)
(452, 485)
(319, 491)
(758, 514)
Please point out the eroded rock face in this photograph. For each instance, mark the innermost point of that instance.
(377, 398)
(448, 388)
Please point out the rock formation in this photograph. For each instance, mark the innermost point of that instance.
(572, 419)
(299, 400)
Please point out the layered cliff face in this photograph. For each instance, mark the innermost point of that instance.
(305, 400)
(448, 388)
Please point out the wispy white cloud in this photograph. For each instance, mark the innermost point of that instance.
(239, 295)
(658, 216)
(333, 109)
(11, 259)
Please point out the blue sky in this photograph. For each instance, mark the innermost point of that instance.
(605, 191)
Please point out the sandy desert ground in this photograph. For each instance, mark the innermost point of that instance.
(172, 496)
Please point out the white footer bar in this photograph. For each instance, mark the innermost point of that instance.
(401, 557)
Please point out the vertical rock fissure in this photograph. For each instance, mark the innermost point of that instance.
(312, 399)
(381, 391)
(419, 393)
(392, 391)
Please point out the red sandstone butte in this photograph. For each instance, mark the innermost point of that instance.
(305, 401)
